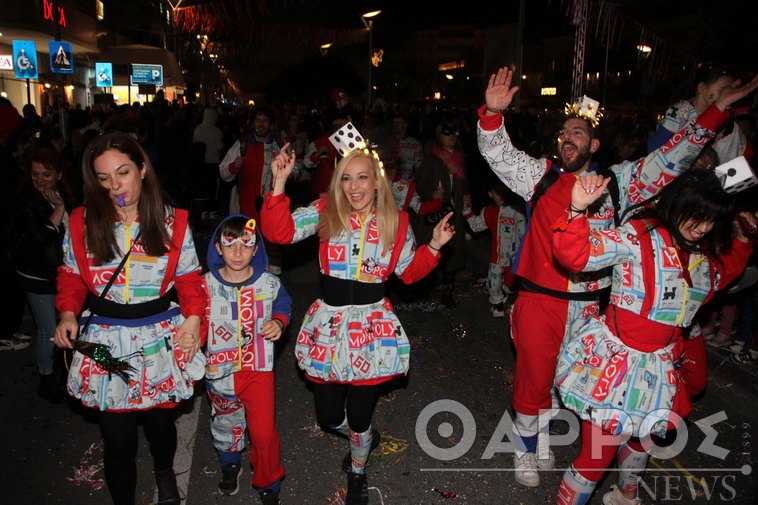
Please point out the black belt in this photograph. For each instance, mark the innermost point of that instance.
(582, 296)
(106, 308)
(339, 292)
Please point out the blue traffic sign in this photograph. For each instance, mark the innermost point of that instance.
(103, 75)
(25, 59)
(61, 57)
(147, 74)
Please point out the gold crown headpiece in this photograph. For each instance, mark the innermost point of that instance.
(586, 108)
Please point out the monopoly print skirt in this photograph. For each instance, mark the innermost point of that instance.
(352, 343)
(157, 375)
(621, 389)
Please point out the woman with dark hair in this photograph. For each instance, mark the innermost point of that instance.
(127, 253)
(41, 219)
(623, 374)
(351, 341)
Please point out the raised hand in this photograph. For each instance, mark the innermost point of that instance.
(736, 92)
(52, 196)
(587, 190)
(499, 93)
(443, 232)
(281, 168)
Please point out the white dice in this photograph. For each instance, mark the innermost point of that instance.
(736, 174)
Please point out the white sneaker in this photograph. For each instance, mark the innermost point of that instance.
(614, 497)
(545, 456)
(526, 467)
(20, 335)
(735, 347)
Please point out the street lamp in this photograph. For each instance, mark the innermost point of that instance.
(368, 22)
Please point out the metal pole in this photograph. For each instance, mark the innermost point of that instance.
(28, 91)
(370, 55)
(607, 49)
(60, 93)
(520, 60)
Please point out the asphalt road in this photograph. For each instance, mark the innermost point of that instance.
(51, 454)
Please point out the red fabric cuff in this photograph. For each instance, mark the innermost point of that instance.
(489, 123)
(713, 118)
(283, 319)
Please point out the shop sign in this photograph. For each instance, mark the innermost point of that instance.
(6, 62)
(48, 12)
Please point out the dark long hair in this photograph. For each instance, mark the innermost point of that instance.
(695, 195)
(101, 214)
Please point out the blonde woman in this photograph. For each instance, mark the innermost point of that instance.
(351, 341)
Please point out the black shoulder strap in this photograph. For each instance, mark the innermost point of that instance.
(541, 188)
(613, 190)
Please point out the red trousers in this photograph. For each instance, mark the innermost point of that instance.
(256, 391)
(538, 324)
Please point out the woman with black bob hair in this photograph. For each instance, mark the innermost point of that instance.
(627, 375)
(127, 234)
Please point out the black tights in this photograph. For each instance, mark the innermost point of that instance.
(119, 432)
(330, 400)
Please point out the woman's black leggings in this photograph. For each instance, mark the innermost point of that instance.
(119, 430)
(332, 400)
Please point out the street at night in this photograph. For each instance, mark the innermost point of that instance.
(53, 454)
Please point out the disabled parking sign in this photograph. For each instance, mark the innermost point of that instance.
(103, 74)
(25, 59)
(61, 57)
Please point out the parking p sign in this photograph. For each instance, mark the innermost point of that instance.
(147, 74)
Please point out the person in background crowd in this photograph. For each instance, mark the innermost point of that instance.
(410, 152)
(250, 303)
(321, 157)
(14, 301)
(711, 81)
(507, 225)
(126, 225)
(205, 183)
(444, 166)
(41, 220)
(297, 138)
(250, 160)
(641, 339)
(351, 341)
(341, 106)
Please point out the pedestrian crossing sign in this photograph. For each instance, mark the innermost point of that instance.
(61, 57)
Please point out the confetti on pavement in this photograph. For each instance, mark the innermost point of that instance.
(89, 465)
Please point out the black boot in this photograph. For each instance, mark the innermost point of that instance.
(50, 390)
(446, 297)
(357, 489)
(168, 493)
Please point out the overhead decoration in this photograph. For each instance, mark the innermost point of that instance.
(608, 26)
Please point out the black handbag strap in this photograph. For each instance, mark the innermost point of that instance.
(110, 282)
